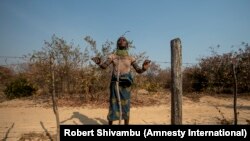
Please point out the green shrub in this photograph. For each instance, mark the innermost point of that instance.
(19, 87)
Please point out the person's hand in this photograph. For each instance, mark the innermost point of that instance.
(97, 60)
(146, 64)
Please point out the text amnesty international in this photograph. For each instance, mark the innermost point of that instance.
(152, 133)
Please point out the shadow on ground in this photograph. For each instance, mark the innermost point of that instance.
(85, 119)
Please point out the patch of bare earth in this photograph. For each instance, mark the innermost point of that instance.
(33, 119)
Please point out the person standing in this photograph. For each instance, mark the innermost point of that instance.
(121, 74)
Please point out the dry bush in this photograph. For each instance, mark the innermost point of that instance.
(214, 73)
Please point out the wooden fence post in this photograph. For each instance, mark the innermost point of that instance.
(176, 82)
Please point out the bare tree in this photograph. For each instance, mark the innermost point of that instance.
(53, 95)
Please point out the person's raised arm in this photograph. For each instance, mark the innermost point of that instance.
(103, 65)
(145, 66)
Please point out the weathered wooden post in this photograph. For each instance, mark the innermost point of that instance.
(176, 82)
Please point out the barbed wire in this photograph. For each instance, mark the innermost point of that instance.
(164, 62)
(16, 57)
(16, 65)
(155, 61)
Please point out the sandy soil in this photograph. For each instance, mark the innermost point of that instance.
(18, 117)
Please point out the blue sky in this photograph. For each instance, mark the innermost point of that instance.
(25, 24)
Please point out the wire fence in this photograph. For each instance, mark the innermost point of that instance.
(11, 61)
(21, 64)
(17, 62)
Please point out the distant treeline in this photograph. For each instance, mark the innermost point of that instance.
(75, 74)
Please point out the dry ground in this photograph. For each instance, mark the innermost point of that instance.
(21, 119)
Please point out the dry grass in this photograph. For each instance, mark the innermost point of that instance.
(223, 120)
(194, 96)
(102, 100)
(32, 136)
